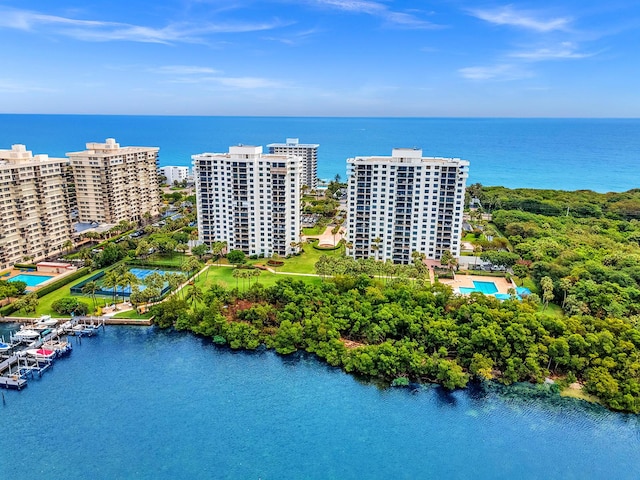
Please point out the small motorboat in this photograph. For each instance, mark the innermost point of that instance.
(4, 347)
(42, 353)
(60, 346)
(46, 321)
(26, 334)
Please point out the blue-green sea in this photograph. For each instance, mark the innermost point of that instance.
(569, 154)
(141, 403)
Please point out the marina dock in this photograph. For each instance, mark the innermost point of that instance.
(33, 349)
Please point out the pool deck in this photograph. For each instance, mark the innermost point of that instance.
(51, 277)
(466, 281)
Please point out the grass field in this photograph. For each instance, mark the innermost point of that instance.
(224, 276)
(305, 262)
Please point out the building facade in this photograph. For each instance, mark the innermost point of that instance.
(175, 174)
(114, 183)
(309, 154)
(35, 217)
(405, 203)
(249, 199)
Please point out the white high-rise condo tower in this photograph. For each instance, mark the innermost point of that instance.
(405, 203)
(309, 154)
(35, 220)
(116, 183)
(249, 199)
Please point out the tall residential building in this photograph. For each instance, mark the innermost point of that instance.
(116, 183)
(309, 154)
(34, 207)
(175, 174)
(249, 199)
(403, 203)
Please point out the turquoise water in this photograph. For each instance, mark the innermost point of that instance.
(141, 403)
(598, 154)
(488, 288)
(30, 280)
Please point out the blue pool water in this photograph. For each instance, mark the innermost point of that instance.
(30, 280)
(136, 402)
(488, 288)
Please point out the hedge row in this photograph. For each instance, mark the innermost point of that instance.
(318, 247)
(81, 272)
(155, 263)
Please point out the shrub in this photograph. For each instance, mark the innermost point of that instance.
(69, 305)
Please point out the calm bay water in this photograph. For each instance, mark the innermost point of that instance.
(143, 403)
(569, 154)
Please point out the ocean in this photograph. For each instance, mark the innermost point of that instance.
(137, 402)
(567, 154)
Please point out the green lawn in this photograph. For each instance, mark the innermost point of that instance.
(305, 262)
(224, 277)
(132, 314)
(174, 260)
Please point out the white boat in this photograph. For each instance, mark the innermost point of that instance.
(42, 353)
(4, 347)
(46, 321)
(26, 334)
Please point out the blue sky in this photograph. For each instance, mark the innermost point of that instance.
(567, 58)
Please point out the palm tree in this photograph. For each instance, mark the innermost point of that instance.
(112, 280)
(131, 281)
(154, 283)
(68, 246)
(376, 246)
(190, 265)
(347, 246)
(237, 273)
(194, 295)
(91, 288)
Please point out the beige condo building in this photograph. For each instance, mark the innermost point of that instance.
(34, 206)
(115, 183)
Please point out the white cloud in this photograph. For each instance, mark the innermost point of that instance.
(13, 86)
(507, 15)
(184, 70)
(247, 82)
(501, 72)
(101, 31)
(400, 19)
(565, 50)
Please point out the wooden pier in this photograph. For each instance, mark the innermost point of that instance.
(17, 365)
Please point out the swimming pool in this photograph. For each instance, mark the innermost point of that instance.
(488, 288)
(31, 280)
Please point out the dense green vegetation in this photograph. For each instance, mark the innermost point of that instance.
(420, 332)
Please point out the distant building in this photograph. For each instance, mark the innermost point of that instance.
(405, 203)
(34, 206)
(115, 183)
(309, 154)
(175, 174)
(249, 199)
